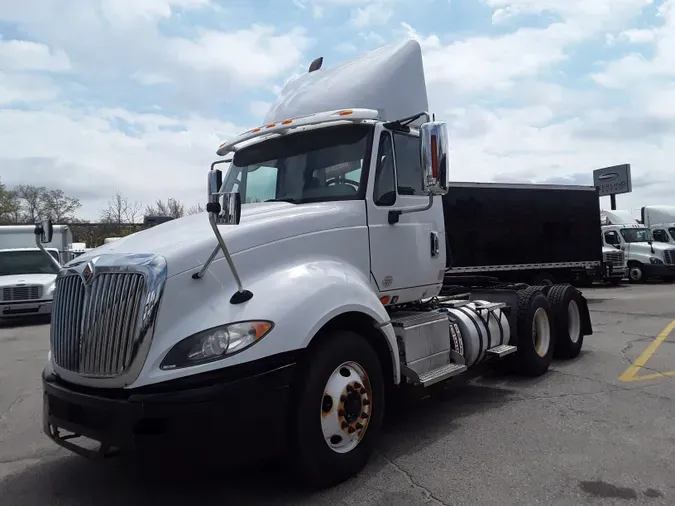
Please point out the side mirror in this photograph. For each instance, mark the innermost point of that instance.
(45, 230)
(215, 181)
(227, 212)
(434, 157)
(230, 213)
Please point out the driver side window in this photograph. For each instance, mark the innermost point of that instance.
(384, 193)
(660, 235)
(612, 238)
(261, 184)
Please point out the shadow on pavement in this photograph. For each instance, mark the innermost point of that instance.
(73, 480)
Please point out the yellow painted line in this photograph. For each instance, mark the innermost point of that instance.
(632, 371)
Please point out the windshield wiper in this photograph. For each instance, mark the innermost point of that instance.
(289, 200)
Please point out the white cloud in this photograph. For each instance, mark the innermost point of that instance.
(252, 56)
(635, 68)
(375, 14)
(24, 55)
(516, 103)
(259, 108)
(634, 36)
(20, 89)
(88, 156)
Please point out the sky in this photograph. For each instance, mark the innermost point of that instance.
(136, 95)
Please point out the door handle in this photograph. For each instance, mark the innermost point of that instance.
(435, 244)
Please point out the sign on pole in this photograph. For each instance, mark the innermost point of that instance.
(613, 180)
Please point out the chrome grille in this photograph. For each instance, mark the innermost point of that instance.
(669, 257)
(615, 258)
(15, 293)
(95, 329)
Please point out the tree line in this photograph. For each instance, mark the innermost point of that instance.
(27, 204)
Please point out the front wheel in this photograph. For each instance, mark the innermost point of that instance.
(338, 409)
(636, 273)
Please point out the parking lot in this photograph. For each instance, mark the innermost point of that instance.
(599, 429)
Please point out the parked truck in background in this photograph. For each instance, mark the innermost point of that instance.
(646, 257)
(661, 221)
(26, 275)
(535, 233)
(312, 288)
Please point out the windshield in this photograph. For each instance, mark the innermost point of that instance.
(636, 234)
(671, 231)
(26, 262)
(312, 166)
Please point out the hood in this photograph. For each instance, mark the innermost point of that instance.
(27, 279)
(187, 242)
(643, 247)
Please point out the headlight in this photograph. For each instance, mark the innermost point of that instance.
(215, 343)
(656, 261)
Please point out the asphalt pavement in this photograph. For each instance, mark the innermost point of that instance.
(599, 429)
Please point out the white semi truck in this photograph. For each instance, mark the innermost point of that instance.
(646, 258)
(661, 221)
(286, 321)
(26, 275)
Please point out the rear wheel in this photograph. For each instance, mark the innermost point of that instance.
(338, 409)
(535, 333)
(566, 307)
(543, 279)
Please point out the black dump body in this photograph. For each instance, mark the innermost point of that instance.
(491, 224)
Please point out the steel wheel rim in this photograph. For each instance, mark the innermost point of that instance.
(346, 406)
(541, 332)
(573, 321)
(635, 273)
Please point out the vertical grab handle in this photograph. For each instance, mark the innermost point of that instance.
(435, 245)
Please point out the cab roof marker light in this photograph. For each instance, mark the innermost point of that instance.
(353, 115)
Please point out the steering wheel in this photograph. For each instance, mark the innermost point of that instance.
(351, 182)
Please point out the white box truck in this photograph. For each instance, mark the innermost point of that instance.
(311, 289)
(26, 275)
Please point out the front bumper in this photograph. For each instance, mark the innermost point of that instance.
(613, 272)
(27, 308)
(659, 270)
(237, 409)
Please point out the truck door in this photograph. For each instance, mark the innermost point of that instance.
(411, 252)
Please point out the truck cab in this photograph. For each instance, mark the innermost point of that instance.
(27, 275)
(661, 221)
(311, 290)
(26, 282)
(646, 258)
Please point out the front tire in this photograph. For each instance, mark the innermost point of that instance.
(339, 406)
(636, 273)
